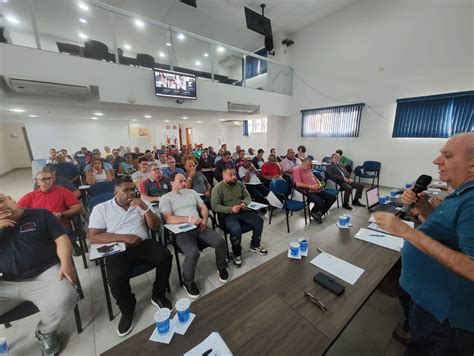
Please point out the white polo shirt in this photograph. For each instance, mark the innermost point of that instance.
(114, 219)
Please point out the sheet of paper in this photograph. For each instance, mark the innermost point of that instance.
(374, 226)
(179, 228)
(181, 328)
(116, 247)
(381, 239)
(213, 342)
(164, 338)
(337, 267)
(274, 201)
(256, 206)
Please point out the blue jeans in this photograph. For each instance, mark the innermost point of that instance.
(244, 221)
(429, 337)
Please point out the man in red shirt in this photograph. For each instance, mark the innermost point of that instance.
(271, 169)
(304, 178)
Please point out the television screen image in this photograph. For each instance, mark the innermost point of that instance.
(175, 84)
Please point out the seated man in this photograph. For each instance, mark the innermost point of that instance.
(225, 162)
(336, 172)
(142, 172)
(60, 181)
(236, 154)
(66, 170)
(198, 182)
(230, 198)
(271, 169)
(172, 167)
(239, 161)
(36, 263)
(126, 167)
(162, 162)
(258, 160)
(183, 205)
(127, 219)
(251, 178)
(156, 185)
(346, 162)
(289, 164)
(304, 178)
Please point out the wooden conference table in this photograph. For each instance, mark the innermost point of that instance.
(264, 311)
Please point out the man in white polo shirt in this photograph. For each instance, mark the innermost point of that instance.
(127, 219)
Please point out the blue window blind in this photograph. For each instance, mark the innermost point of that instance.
(335, 121)
(434, 116)
(245, 127)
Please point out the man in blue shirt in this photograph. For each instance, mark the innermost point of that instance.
(438, 259)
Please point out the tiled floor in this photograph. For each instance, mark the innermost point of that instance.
(369, 333)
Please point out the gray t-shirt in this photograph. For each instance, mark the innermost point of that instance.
(199, 183)
(183, 204)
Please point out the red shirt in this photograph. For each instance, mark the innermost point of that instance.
(57, 200)
(271, 170)
(305, 176)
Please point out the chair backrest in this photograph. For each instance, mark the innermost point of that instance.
(145, 60)
(21, 311)
(72, 49)
(101, 188)
(279, 186)
(371, 166)
(96, 50)
(99, 199)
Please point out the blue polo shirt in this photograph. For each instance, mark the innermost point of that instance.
(432, 286)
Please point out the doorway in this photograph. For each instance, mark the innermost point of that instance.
(189, 136)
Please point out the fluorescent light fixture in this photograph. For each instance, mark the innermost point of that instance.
(180, 36)
(139, 23)
(147, 116)
(83, 6)
(220, 49)
(12, 19)
(168, 44)
(94, 118)
(127, 47)
(199, 122)
(134, 120)
(98, 114)
(206, 54)
(162, 55)
(167, 120)
(82, 35)
(198, 63)
(81, 20)
(17, 110)
(32, 115)
(184, 118)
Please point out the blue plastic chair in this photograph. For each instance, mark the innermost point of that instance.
(369, 169)
(99, 199)
(279, 187)
(101, 188)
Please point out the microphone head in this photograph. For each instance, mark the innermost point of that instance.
(422, 183)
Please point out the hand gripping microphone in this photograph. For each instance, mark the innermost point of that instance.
(420, 186)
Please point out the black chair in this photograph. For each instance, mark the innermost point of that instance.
(145, 60)
(71, 49)
(96, 50)
(101, 188)
(369, 169)
(78, 229)
(326, 159)
(220, 223)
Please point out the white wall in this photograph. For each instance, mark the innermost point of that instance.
(13, 148)
(376, 52)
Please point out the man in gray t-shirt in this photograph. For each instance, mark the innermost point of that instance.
(198, 182)
(183, 205)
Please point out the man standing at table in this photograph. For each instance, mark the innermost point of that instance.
(438, 259)
(127, 219)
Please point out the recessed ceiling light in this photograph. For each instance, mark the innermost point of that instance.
(81, 20)
(32, 115)
(184, 118)
(127, 47)
(83, 6)
(220, 49)
(17, 110)
(94, 118)
(82, 35)
(180, 36)
(134, 120)
(167, 120)
(168, 44)
(206, 54)
(162, 55)
(198, 63)
(12, 19)
(139, 23)
(199, 122)
(147, 116)
(221, 119)
(98, 114)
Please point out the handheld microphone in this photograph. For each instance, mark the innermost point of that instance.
(421, 185)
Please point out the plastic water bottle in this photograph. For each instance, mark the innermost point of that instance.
(3, 346)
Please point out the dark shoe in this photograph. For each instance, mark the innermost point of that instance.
(347, 206)
(317, 216)
(260, 250)
(76, 249)
(238, 261)
(191, 289)
(125, 324)
(223, 275)
(161, 302)
(401, 335)
(358, 203)
(50, 342)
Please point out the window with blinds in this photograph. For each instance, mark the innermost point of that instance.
(335, 121)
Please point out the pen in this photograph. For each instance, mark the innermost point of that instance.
(377, 235)
(316, 302)
(321, 251)
(207, 352)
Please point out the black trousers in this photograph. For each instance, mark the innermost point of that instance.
(120, 266)
(258, 192)
(347, 187)
(322, 201)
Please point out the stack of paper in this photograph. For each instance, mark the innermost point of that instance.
(381, 239)
(337, 267)
(374, 226)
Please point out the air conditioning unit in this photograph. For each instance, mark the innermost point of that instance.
(230, 61)
(35, 87)
(232, 123)
(243, 108)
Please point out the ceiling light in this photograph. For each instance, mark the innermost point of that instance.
(206, 54)
(167, 120)
(147, 116)
(162, 55)
(220, 49)
(32, 115)
(221, 119)
(17, 110)
(98, 114)
(180, 36)
(139, 23)
(168, 44)
(82, 35)
(134, 120)
(12, 19)
(83, 6)
(94, 118)
(198, 63)
(199, 122)
(184, 118)
(127, 47)
(81, 20)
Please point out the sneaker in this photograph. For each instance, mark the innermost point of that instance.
(191, 289)
(238, 261)
(223, 275)
(50, 342)
(317, 216)
(161, 302)
(260, 250)
(125, 324)
(76, 249)
(347, 206)
(358, 203)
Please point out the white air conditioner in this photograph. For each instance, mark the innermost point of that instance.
(232, 123)
(35, 87)
(230, 61)
(243, 108)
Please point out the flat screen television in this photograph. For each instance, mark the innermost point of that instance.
(175, 84)
(258, 23)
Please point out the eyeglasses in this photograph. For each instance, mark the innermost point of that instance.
(127, 190)
(47, 179)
